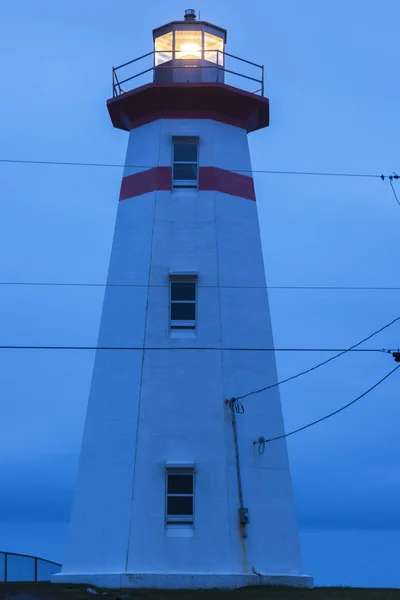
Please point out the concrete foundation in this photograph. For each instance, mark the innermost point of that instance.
(184, 580)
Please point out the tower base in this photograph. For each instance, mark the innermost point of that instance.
(183, 580)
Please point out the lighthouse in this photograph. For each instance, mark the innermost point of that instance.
(173, 490)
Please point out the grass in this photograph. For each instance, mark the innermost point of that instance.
(48, 591)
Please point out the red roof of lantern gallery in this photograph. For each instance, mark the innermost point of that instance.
(190, 100)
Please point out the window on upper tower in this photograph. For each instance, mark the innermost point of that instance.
(185, 167)
(214, 48)
(179, 496)
(188, 44)
(183, 304)
(163, 49)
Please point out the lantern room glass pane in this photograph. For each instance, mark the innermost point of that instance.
(163, 49)
(214, 47)
(188, 44)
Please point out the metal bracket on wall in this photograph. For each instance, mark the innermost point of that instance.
(244, 517)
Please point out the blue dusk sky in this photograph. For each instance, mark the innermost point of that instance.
(333, 81)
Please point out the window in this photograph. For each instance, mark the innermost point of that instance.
(179, 496)
(188, 44)
(185, 162)
(214, 48)
(163, 49)
(183, 304)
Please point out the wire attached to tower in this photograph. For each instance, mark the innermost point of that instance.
(325, 362)
(261, 442)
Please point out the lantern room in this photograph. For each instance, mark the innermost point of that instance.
(189, 51)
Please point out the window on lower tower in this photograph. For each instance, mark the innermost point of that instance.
(185, 167)
(183, 304)
(180, 496)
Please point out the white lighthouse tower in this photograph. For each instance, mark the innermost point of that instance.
(171, 491)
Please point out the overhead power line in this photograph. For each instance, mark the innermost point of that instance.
(247, 287)
(120, 166)
(332, 287)
(263, 441)
(192, 348)
(394, 191)
(325, 362)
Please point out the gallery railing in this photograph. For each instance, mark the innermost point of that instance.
(239, 72)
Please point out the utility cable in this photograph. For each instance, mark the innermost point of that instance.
(325, 362)
(120, 166)
(394, 191)
(263, 441)
(144, 285)
(186, 348)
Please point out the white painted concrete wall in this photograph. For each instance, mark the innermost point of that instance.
(222, 146)
(165, 403)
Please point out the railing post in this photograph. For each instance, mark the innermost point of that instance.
(36, 568)
(5, 566)
(262, 83)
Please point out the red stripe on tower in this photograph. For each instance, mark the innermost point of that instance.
(151, 180)
(227, 182)
(211, 179)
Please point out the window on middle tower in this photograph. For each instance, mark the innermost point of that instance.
(183, 304)
(185, 162)
(179, 500)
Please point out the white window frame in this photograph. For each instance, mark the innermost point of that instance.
(185, 183)
(181, 325)
(179, 520)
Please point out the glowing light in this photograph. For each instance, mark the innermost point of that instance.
(190, 50)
